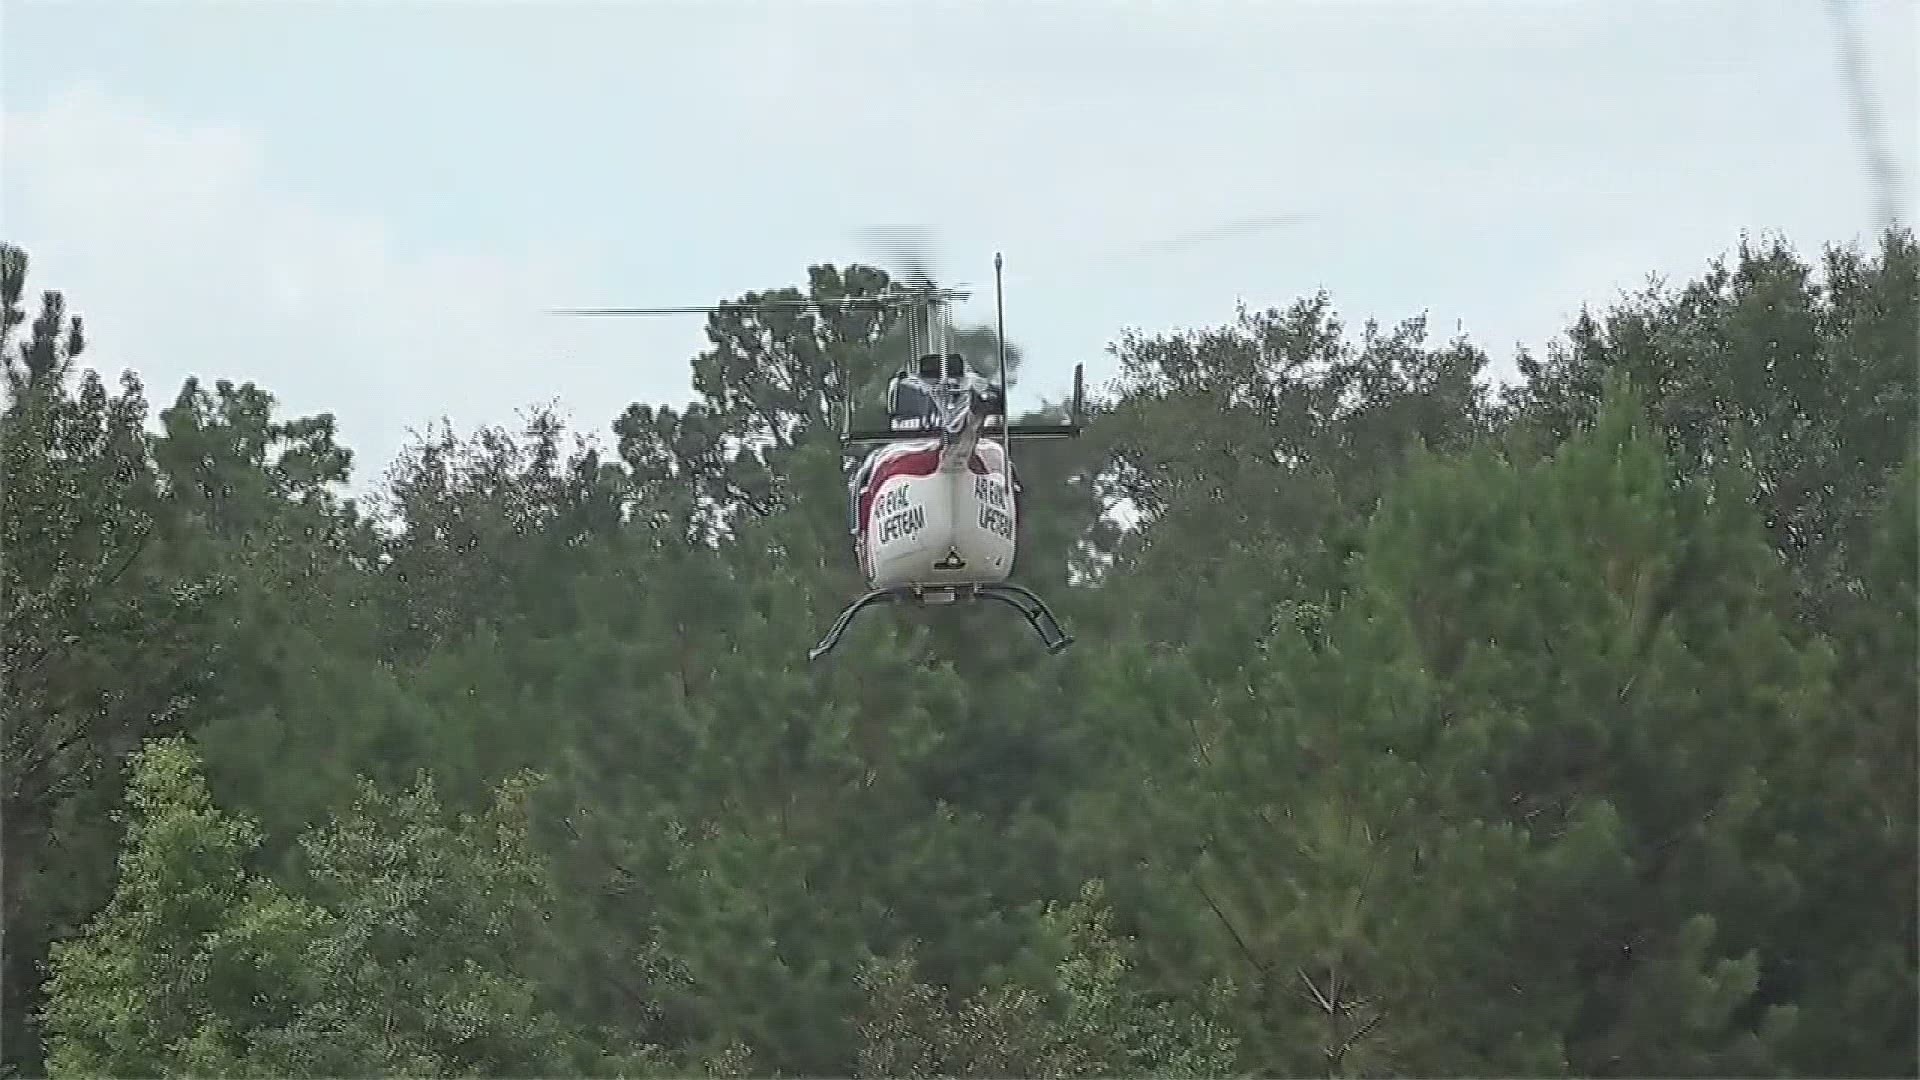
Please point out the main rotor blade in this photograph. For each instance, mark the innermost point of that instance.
(756, 305)
(908, 250)
(1223, 231)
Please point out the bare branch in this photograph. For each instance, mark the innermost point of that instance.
(1246, 951)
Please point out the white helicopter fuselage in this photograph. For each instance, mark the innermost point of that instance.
(933, 516)
(933, 510)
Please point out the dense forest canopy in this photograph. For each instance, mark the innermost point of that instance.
(1415, 726)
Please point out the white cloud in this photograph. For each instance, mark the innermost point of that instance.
(186, 258)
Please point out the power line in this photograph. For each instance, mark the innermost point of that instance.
(1869, 126)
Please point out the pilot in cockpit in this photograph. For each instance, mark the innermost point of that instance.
(910, 405)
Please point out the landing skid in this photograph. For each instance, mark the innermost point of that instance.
(1038, 615)
(832, 638)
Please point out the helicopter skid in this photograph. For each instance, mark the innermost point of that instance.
(1038, 615)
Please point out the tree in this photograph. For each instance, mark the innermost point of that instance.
(1803, 380)
(1482, 814)
(1849, 950)
(398, 957)
(1088, 1017)
(297, 634)
(101, 642)
(1251, 454)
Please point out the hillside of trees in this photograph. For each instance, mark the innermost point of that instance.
(1414, 727)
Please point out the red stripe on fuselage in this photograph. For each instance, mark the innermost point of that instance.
(909, 463)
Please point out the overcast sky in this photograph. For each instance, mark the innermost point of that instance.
(365, 207)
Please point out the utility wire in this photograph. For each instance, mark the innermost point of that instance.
(1869, 125)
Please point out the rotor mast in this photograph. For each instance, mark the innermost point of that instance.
(934, 332)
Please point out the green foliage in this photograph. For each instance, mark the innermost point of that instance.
(102, 641)
(1090, 1018)
(188, 940)
(1412, 728)
(1804, 381)
(397, 958)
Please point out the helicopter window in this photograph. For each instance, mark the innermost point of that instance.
(956, 366)
(907, 404)
(930, 366)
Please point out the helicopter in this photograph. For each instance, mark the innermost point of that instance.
(933, 506)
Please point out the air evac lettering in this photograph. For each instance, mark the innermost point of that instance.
(990, 491)
(892, 501)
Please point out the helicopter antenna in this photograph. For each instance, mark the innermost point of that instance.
(846, 394)
(1006, 409)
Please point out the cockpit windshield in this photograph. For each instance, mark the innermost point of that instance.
(936, 369)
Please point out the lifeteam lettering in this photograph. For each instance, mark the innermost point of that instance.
(903, 524)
